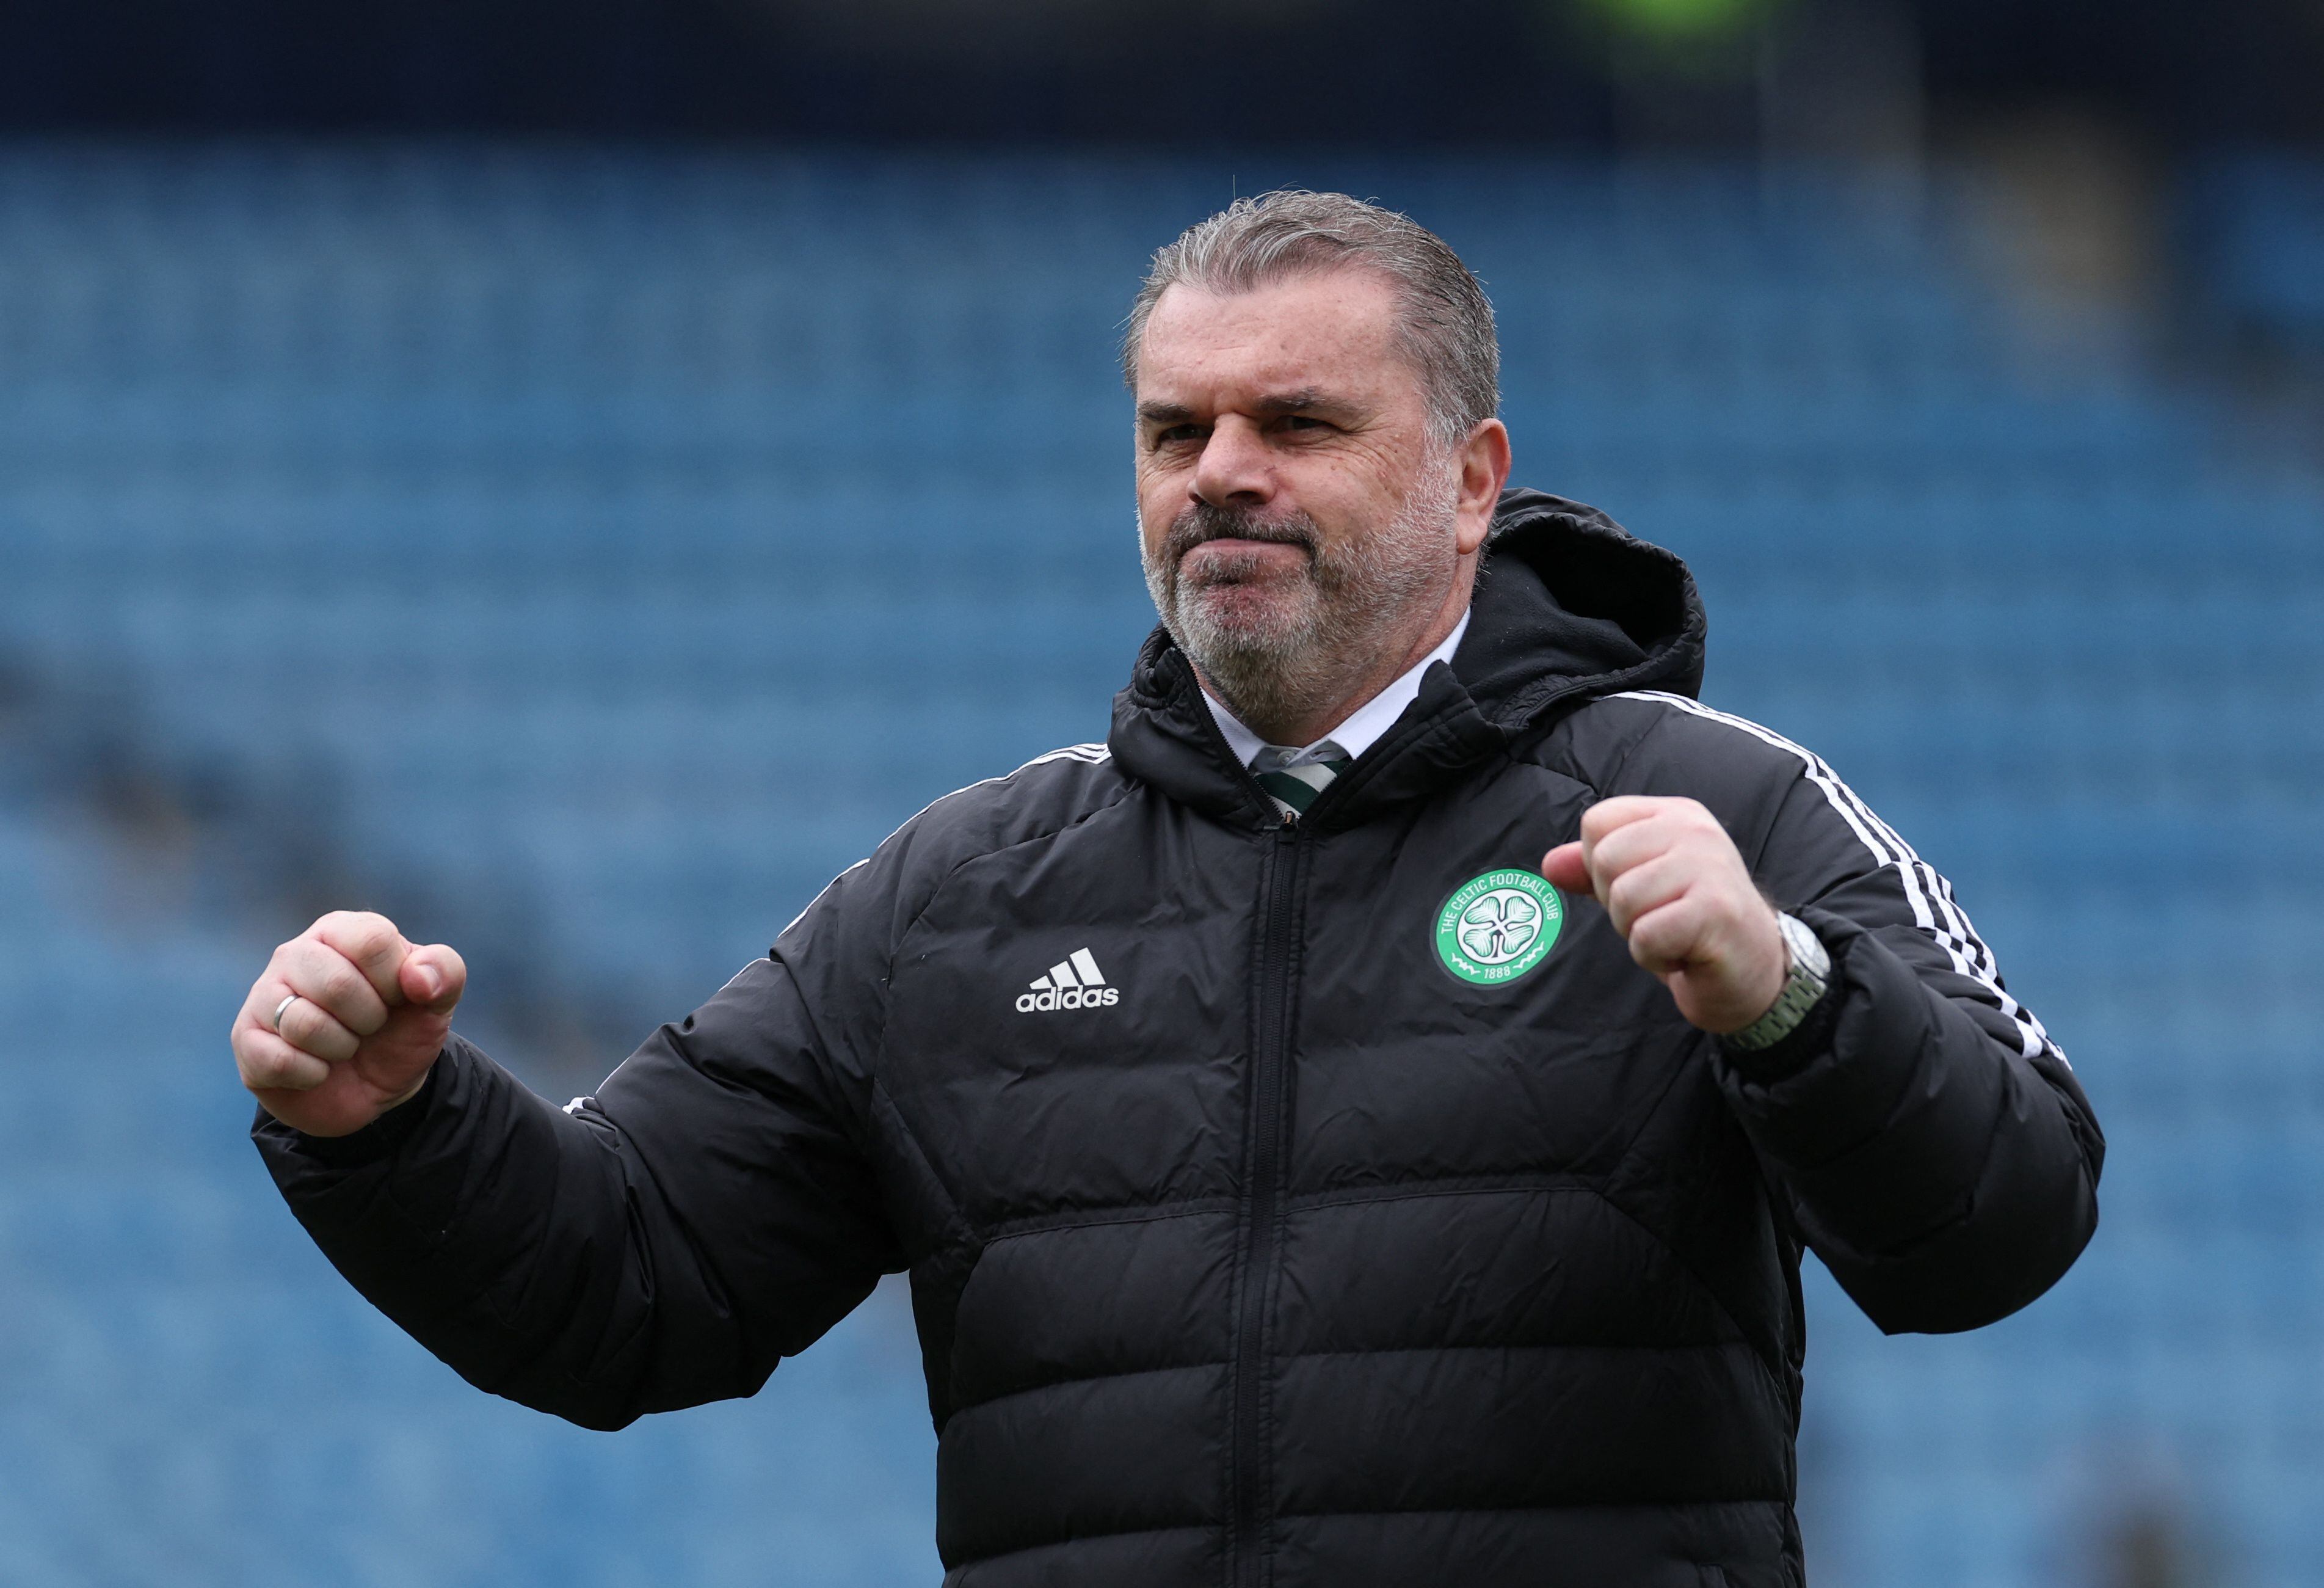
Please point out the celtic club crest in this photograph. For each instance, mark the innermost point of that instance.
(1497, 926)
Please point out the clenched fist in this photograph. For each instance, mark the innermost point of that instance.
(1677, 890)
(369, 1016)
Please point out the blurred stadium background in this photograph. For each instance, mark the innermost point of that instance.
(576, 475)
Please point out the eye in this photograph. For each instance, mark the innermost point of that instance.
(1177, 435)
(1301, 421)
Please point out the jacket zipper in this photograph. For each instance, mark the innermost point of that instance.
(1253, 1464)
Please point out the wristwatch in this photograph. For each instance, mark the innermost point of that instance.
(1803, 985)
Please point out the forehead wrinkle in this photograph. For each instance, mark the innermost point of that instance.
(1271, 316)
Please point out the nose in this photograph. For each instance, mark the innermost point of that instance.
(1234, 467)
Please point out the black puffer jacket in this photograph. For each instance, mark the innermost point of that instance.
(1322, 1204)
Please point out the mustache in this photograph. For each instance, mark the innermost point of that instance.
(1206, 521)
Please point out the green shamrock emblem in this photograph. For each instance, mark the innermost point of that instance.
(1499, 926)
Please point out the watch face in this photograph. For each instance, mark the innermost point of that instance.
(1808, 953)
(1804, 986)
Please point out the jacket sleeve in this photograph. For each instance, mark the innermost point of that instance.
(712, 1210)
(1927, 1136)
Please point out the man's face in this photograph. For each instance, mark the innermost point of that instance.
(1294, 510)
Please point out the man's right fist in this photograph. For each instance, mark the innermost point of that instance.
(369, 1014)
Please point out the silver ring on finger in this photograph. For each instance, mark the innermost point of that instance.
(280, 1009)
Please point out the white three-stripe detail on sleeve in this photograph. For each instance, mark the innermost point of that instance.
(1935, 911)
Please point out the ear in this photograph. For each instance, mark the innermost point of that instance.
(1484, 462)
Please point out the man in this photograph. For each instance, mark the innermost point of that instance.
(1299, 1182)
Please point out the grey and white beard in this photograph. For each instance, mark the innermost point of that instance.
(1274, 668)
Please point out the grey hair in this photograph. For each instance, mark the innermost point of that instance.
(1445, 320)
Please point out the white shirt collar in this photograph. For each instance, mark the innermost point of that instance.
(1364, 725)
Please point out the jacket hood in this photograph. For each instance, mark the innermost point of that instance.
(1568, 606)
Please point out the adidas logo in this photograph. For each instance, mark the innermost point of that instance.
(1074, 981)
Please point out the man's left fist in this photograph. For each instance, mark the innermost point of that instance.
(1677, 889)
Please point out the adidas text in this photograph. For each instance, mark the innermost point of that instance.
(1074, 981)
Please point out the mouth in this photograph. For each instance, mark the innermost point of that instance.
(1229, 559)
(1248, 543)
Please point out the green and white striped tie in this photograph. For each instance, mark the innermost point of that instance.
(1294, 788)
